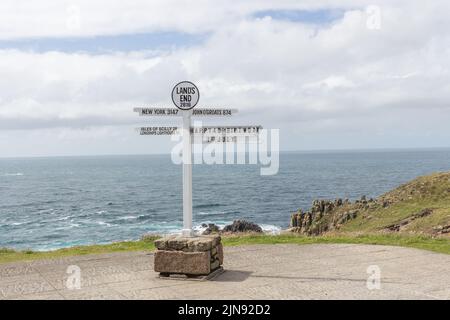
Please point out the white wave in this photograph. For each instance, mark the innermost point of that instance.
(127, 218)
(103, 223)
(267, 228)
(13, 174)
(199, 229)
(271, 229)
(63, 218)
(214, 213)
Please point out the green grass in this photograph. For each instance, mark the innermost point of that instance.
(8, 255)
(427, 192)
(441, 245)
(382, 217)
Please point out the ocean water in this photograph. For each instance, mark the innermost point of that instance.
(48, 203)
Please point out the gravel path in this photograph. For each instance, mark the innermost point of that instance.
(288, 271)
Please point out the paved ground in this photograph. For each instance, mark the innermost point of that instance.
(253, 272)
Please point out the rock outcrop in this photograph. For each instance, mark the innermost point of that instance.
(420, 207)
(242, 226)
(441, 230)
(326, 215)
(404, 222)
(210, 228)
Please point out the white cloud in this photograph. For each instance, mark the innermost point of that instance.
(46, 18)
(330, 81)
(67, 18)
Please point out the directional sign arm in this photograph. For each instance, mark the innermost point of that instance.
(201, 112)
(243, 131)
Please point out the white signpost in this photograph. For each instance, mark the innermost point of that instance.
(185, 96)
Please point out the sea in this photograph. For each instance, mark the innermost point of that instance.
(55, 202)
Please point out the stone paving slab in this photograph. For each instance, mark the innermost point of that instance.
(285, 271)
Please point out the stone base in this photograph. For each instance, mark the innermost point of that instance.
(176, 276)
(188, 257)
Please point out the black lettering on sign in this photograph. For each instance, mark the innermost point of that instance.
(185, 98)
(185, 90)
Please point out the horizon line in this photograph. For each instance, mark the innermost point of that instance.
(387, 149)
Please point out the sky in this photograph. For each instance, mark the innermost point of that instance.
(328, 74)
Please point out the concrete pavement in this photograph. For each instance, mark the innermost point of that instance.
(288, 271)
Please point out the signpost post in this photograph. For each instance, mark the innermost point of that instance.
(187, 175)
(188, 255)
(185, 96)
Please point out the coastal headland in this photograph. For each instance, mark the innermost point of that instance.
(416, 214)
(327, 252)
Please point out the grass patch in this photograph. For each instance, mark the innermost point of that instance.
(382, 217)
(441, 245)
(427, 192)
(8, 255)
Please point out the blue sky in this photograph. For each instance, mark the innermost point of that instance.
(102, 44)
(158, 40)
(318, 17)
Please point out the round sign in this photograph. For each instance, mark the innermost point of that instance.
(185, 95)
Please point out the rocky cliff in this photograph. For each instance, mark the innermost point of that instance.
(326, 215)
(421, 206)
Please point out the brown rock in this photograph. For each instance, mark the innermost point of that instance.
(215, 264)
(203, 244)
(177, 243)
(191, 263)
(220, 253)
(161, 244)
(188, 244)
(199, 244)
(216, 240)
